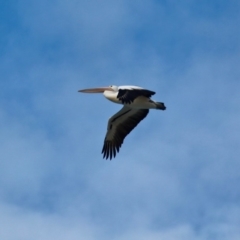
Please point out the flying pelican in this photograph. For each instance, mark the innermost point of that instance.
(136, 103)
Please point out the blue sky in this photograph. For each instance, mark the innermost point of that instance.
(177, 174)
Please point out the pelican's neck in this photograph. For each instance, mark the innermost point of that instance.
(112, 96)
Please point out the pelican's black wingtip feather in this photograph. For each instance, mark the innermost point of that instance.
(110, 150)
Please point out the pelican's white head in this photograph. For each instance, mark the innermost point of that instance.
(114, 88)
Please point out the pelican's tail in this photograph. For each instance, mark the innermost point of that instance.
(160, 105)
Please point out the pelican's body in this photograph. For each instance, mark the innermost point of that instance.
(136, 103)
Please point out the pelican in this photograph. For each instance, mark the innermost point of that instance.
(136, 103)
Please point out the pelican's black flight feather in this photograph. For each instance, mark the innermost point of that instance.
(127, 96)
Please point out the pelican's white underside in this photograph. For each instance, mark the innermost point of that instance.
(140, 102)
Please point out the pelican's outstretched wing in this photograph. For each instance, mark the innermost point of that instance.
(119, 126)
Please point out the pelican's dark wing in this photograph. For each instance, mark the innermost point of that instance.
(127, 96)
(119, 126)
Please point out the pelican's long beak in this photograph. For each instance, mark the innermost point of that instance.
(95, 90)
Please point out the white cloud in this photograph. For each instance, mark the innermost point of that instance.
(22, 224)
